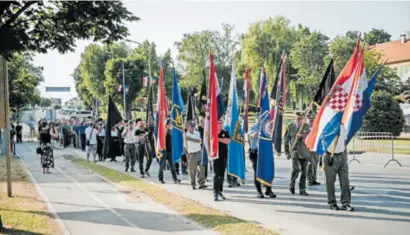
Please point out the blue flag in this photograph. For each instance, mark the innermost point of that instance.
(236, 164)
(360, 110)
(265, 171)
(176, 120)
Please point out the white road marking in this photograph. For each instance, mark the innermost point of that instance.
(125, 220)
(45, 199)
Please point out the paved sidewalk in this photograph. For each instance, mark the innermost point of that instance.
(87, 204)
(381, 198)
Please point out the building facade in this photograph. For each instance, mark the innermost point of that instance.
(397, 54)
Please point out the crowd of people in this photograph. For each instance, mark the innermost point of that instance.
(135, 142)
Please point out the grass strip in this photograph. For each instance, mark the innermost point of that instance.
(24, 213)
(203, 215)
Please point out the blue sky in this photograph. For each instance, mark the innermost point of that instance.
(165, 22)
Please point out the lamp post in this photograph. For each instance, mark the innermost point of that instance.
(149, 57)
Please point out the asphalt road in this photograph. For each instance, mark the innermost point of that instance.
(381, 200)
(87, 204)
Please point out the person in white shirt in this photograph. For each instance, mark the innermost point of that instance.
(130, 149)
(193, 148)
(335, 163)
(91, 141)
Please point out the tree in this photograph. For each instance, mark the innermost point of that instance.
(193, 51)
(376, 36)
(385, 115)
(45, 102)
(306, 57)
(342, 48)
(24, 77)
(264, 43)
(38, 26)
(133, 72)
(57, 107)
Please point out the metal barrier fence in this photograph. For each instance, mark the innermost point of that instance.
(374, 144)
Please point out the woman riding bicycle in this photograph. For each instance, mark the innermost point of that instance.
(46, 135)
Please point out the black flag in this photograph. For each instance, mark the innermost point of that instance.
(326, 84)
(275, 85)
(279, 107)
(150, 112)
(113, 118)
(202, 96)
(190, 113)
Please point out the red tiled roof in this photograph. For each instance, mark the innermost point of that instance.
(394, 51)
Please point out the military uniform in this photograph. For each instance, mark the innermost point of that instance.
(312, 169)
(299, 155)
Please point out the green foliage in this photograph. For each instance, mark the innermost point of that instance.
(385, 115)
(341, 48)
(57, 107)
(376, 36)
(307, 58)
(100, 71)
(193, 51)
(133, 72)
(38, 26)
(263, 45)
(24, 77)
(45, 102)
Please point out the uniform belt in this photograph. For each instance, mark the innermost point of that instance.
(334, 153)
(129, 144)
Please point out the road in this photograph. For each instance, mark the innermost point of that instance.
(381, 198)
(85, 202)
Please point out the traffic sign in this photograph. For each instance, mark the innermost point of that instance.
(57, 89)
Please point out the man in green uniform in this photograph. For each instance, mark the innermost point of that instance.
(313, 163)
(336, 164)
(295, 148)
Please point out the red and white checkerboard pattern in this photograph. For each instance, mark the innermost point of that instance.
(357, 102)
(338, 100)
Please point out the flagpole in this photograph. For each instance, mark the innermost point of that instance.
(123, 90)
(302, 126)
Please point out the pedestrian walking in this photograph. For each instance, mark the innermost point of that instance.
(296, 150)
(91, 141)
(130, 149)
(335, 163)
(253, 157)
(167, 156)
(193, 148)
(219, 165)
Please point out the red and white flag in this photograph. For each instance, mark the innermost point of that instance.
(162, 110)
(211, 122)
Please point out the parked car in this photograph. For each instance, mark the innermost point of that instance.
(83, 114)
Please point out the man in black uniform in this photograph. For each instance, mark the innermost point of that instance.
(140, 135)
(219, 165)
(167, 157)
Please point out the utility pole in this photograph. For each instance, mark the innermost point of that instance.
(123, 90)
(5, 118)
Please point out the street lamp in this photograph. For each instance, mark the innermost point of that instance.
(149, 57)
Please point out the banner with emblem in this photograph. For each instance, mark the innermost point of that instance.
(265, 171)
(236, 163)
(176, 120)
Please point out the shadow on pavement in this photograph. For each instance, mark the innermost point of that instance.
(345, 215)
(19, 232)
